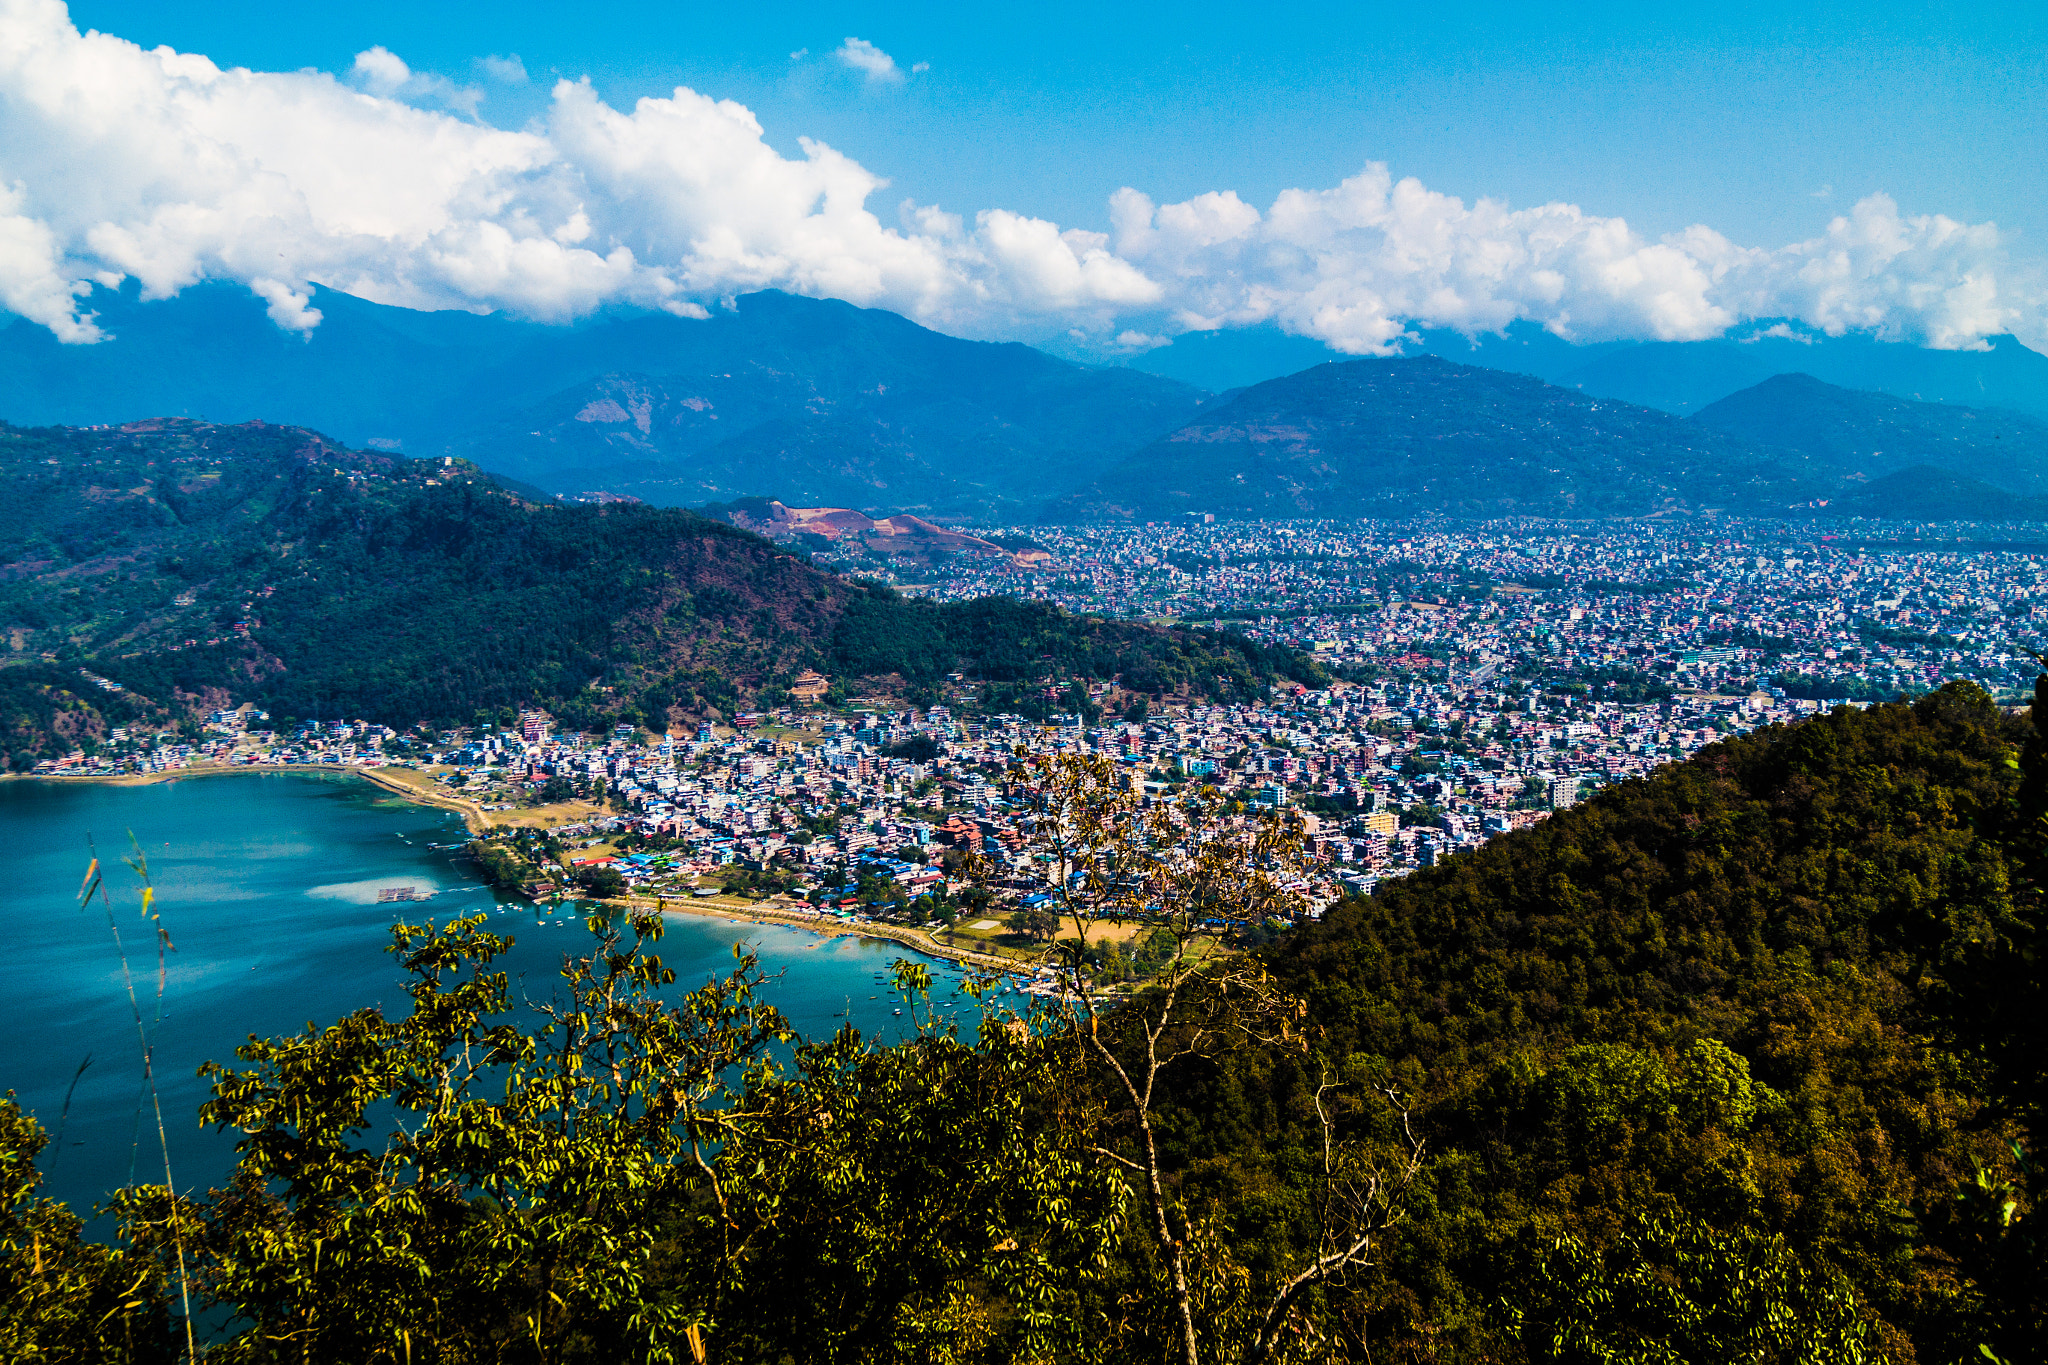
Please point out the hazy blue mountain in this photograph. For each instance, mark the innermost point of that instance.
(1677, 376)
(1423, 435)
(820, 402)
(837, 406)
(864, 398)
(1233, 358)
(367, 372)
(649, 439)
(1871, 435)
(1686, 376)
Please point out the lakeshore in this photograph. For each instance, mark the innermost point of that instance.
(477, 822)
(409, 783)
(770, 912)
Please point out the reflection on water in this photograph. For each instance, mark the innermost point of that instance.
(268, 885)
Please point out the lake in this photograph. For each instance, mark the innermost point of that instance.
(267, 884)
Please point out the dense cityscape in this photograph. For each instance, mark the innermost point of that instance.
(1478, 679)
(1842, 611)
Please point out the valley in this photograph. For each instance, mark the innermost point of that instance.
(1424, 680)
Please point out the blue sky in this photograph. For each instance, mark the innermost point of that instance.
(1759, 122)
(1733, 115)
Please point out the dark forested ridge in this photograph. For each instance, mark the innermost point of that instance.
(1872, 435)
(1927, 493)
(167, 566)
(1789, 988)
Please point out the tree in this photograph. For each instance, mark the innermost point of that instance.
(1194, 869)
(635, 1180)
(63, 1298)
(510, 1202)
(1676, 1291)
(919, 748)
(1036, 923)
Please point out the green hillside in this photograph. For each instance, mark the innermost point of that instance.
(1788, 987)
(188, 564)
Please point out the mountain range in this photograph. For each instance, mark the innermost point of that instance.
(1869, 435)
(1396, 437)
(822, 404)
(1675, 376)
(812, 401)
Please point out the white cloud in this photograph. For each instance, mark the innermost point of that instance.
(1926, 278)
(1355, 265)
(117, 163)
(381, 71)
(288, 306)
(384, 74)
(1782, 331)
(863, 56)
(506, 70)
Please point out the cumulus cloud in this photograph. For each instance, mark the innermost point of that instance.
(162, 167)
(118, 163)
(863, 56)
(1356, 265)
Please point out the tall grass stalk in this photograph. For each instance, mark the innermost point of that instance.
(145, 1036)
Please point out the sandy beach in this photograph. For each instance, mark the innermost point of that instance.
(771, 912)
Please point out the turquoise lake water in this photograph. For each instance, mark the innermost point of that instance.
(268, 886)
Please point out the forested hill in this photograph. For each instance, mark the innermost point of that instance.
(1422, 435)
(1789, 988)
(1873, 435)
(162, 568)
